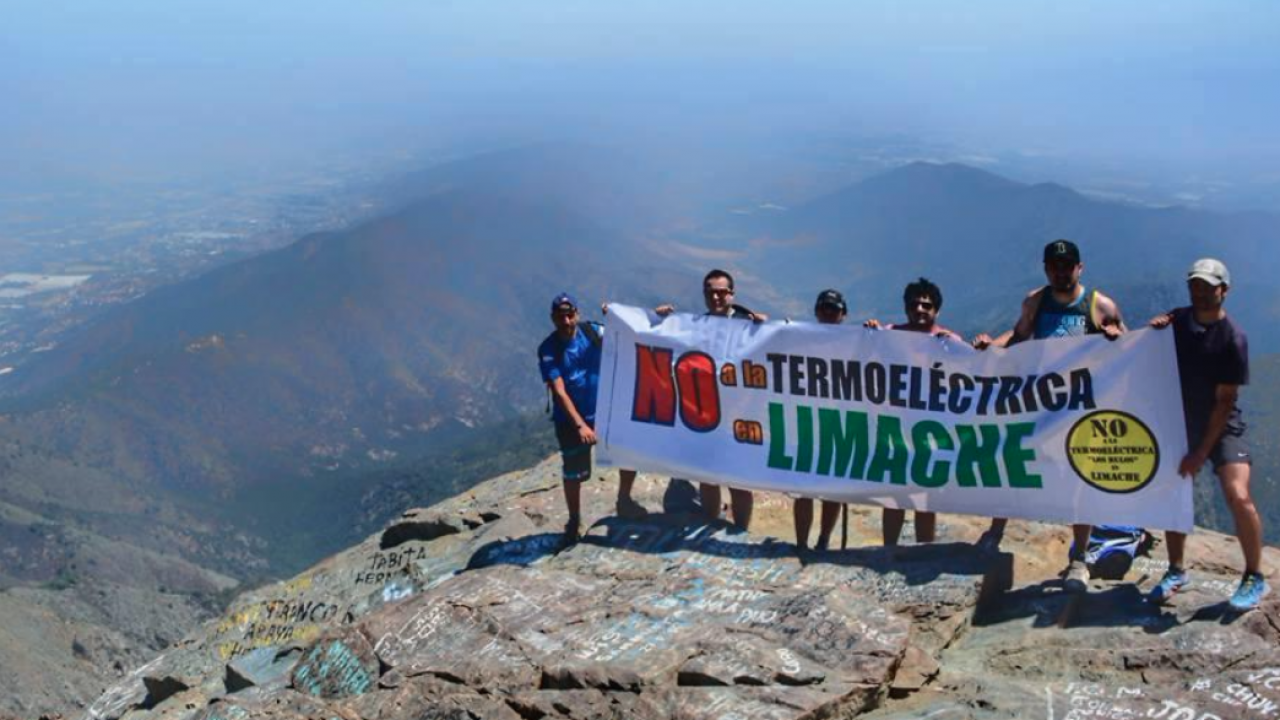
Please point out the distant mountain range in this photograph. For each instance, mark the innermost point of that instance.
(249, 421)
(980, 237)
(279, 383)
(282, 383)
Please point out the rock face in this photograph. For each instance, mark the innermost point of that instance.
(471, 609)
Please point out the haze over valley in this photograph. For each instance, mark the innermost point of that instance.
(271, 275)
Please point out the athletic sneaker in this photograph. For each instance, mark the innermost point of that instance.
(1250, 592)
(1076, 580)
(1174, 580)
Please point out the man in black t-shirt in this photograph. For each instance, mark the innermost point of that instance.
(1213, 362)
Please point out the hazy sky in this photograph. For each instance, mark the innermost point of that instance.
(136, 88)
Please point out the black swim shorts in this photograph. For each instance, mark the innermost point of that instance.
(575, 454)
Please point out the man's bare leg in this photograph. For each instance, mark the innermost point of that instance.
(628, 508)
(626, 480)
(1080, 533)
(891, 522)
(573, 501)
(926, 527)
(1176, 544)
(830, 513)
(1234, 478)
(743, 503)
(802, 514)
(1076, 579)
(573, 497)
(710, 496)
(994, 534)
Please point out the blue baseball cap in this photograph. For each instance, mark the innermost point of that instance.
(563, 299)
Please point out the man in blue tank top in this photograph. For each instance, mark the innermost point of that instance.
(1062, 308)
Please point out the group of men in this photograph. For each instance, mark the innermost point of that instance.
(1212, 353)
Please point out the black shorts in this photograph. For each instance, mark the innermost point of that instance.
(1231, 447)
(575, 454)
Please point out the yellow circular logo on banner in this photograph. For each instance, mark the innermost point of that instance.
(1113, 451)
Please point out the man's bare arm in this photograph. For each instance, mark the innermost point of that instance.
(1109, 318)
(1022, 329)
(585, 433)
(1025, 328)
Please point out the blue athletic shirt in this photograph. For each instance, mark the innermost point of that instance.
(1055, 320)
(577, 362)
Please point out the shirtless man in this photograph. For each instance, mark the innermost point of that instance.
(922, 301)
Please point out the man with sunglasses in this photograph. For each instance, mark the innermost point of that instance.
(1062, 308)
(922, 301)
(569, 360)
(718, 295)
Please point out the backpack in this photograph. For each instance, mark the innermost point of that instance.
(589, 329)
(1112, 548)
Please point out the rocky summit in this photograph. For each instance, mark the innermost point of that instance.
(473, 609)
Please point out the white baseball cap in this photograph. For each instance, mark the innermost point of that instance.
(1211, 271)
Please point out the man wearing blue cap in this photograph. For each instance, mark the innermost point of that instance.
(569, 360)
(1213, 362)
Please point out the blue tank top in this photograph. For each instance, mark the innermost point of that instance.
(1055, 320)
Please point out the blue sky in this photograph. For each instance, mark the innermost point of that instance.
(137, 87)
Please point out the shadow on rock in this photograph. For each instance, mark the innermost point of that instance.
(681, 497)
(676, 534)
(1051, 606)
(521, 552)
(917, 564)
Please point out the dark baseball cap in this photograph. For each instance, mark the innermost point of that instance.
(1062, 250)
(832, 298)
(563, 299)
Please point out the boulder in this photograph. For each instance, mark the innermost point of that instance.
(474, 608)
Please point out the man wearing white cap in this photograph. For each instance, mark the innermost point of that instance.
(1213, 362)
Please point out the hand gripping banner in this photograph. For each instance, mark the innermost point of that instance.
(1066, 430)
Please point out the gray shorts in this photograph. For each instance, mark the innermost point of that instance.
(1231, 447)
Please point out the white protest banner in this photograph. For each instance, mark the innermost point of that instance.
(1070, 430)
